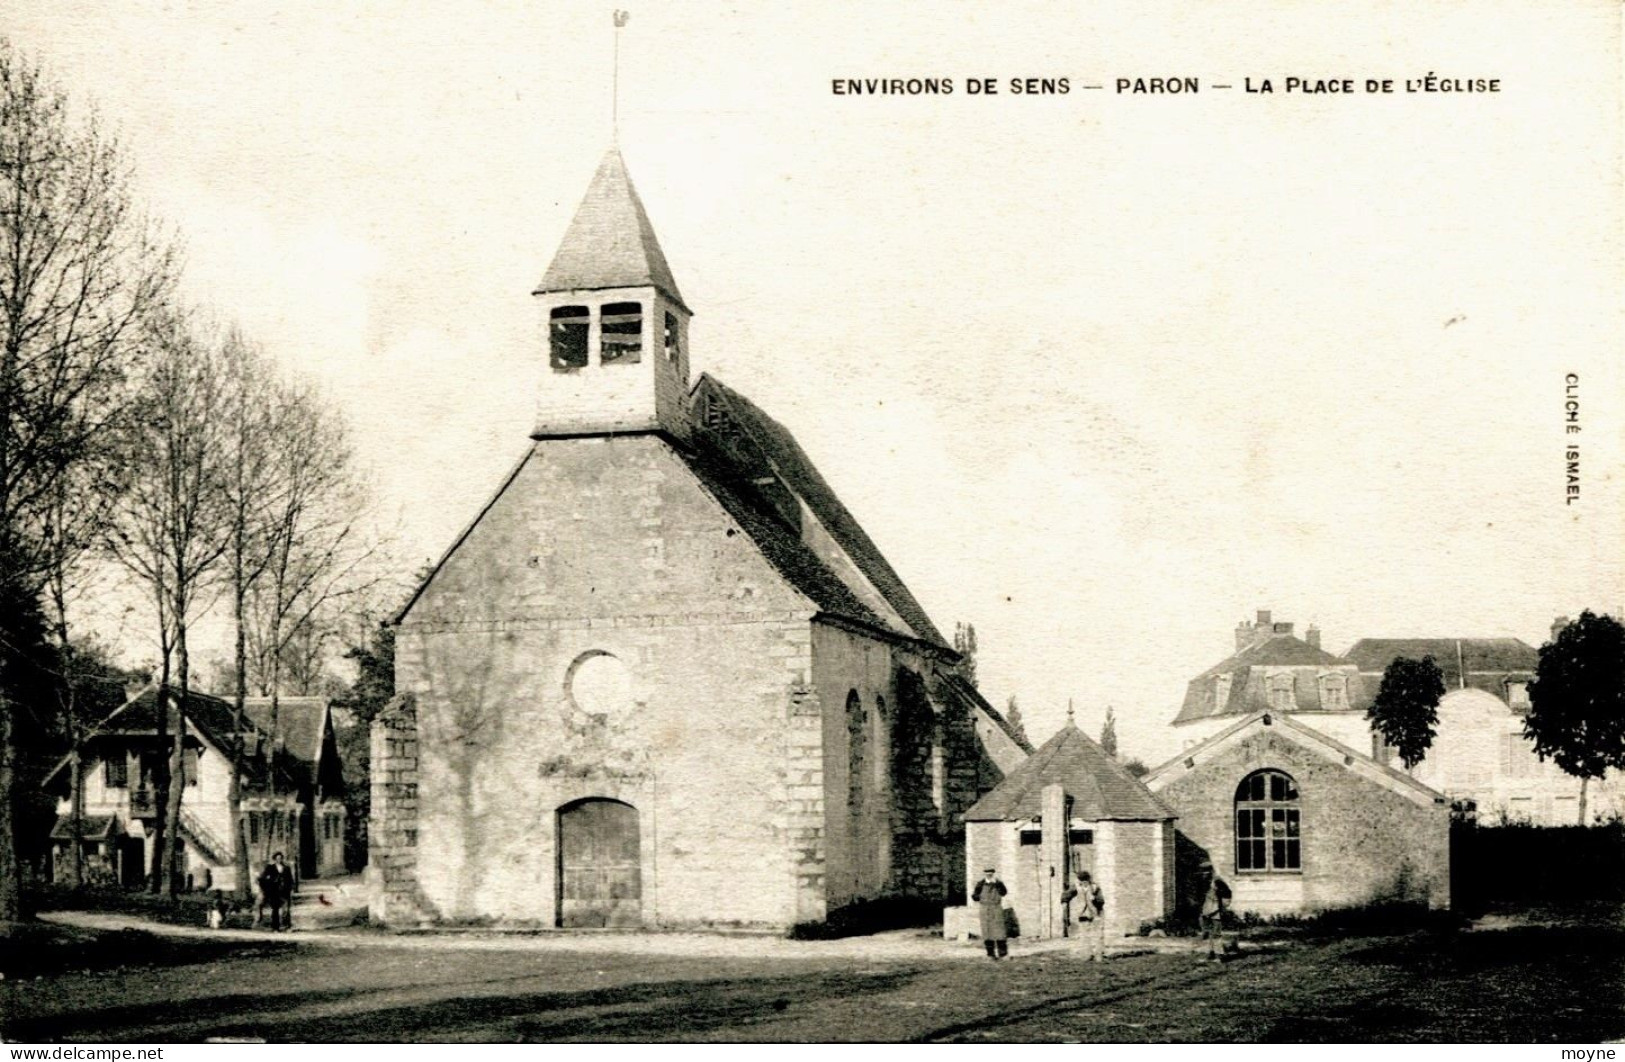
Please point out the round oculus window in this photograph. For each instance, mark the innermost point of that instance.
(599, 684)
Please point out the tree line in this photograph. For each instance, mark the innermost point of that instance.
(148, 448)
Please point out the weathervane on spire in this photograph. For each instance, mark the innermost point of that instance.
(615, 84)
(1069, 711)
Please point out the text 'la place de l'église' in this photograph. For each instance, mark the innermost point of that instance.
(1428, 83)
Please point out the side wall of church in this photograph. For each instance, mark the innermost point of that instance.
(900, 767)
(606, 559)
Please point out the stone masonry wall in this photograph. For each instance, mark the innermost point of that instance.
(898, 829)
(392, 835)
(1361, 841)
(609, 547)
(1136, 890)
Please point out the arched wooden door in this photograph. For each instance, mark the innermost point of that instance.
(600, 870)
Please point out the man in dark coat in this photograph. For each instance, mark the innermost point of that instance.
(989, 896)
(276, 890)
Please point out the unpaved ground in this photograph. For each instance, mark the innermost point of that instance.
(1521, 983)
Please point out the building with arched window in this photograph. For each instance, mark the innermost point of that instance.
(1293, 820)
(665, 678)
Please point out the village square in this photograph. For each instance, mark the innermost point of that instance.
(662, 746)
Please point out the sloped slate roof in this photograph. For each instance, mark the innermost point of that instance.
(92, 827)
(610, 242)
(298, 722)
(1100, 788)
(213, 717)
(778, 543)
(1477, 654)
(956, 686)
(799, 474)
(1281, 650)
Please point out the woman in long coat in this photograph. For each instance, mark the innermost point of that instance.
(989, 896)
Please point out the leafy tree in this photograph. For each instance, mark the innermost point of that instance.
(1137, 768)
(1577, 700)
(1108, 733)
(1406, 710)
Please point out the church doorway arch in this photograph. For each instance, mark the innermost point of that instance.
(600, 871)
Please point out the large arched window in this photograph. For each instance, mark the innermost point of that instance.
(1268, 838)
(857, 742)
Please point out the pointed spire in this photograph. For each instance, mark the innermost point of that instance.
(1069, 711)
(610, 243)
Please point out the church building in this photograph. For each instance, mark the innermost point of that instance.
(664, 678)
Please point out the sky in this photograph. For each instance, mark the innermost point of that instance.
(1101, 373)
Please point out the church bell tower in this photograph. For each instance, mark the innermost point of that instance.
(615, 325)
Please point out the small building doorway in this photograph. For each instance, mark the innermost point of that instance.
(600, 872)
(132, 869)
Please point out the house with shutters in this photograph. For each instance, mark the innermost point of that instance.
(292, 790)
(665, 678)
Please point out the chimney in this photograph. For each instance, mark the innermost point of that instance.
(1312, 636)
(1251, 634)
(1558, 625)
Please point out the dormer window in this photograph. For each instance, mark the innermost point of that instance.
(1282, 696)
(567, 336)
(622, 333)
(1334, 692)
(673, 350)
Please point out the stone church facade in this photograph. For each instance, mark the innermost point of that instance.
(665, 678)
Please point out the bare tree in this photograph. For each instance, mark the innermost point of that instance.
(170, 528)
(77, 513)
(80, 271)
(250, 486)
(319, 553)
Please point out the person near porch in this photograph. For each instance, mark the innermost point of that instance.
(989, 896)
(1091, 907)
(1213, 908)
(276, 890)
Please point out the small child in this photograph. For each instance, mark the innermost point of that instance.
(217, 911)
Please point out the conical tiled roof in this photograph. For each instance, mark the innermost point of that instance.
(1099, 786)
(610, 243)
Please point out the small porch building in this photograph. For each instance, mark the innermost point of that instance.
(1110, 825)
